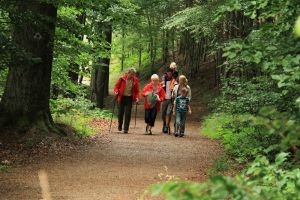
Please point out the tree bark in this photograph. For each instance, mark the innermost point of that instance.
(140, 52)
(25, 103)
(74, 68)
(100, 73)
(123, 49)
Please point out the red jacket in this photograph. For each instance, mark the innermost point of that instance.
(161, 93)
(120, 86)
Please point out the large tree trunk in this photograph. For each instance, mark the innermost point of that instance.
(100, 74)
(25, 103)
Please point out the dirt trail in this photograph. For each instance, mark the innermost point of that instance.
(121, 166)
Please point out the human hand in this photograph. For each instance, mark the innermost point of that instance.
(157, 97)
(137, 100)
(190, 112)
(116, 93)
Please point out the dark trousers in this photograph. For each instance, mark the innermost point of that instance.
(125, 107)
(166, 111)
(150, 116)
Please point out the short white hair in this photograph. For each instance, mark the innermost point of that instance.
(132, 69)
(154, 77)
(173, 65)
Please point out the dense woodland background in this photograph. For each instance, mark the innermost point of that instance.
(58, 60)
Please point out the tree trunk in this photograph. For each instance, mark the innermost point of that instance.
(25, 103)
(173, 44)
(100, 73)
(123, 49)
(165, 46)
(140, 53)
(106, 60)
(74, 68)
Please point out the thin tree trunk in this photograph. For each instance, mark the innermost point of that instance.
(75, 68)
(106, 60)
(151, 43)
(123, 49)
(140, 53)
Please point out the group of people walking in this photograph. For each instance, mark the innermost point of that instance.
(172, 95)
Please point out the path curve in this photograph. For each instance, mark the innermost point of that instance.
(121, 166)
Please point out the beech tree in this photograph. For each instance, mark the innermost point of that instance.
(25, 101)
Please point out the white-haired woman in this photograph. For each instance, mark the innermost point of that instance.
(153, 94)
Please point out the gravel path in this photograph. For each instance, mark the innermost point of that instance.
(120, 166)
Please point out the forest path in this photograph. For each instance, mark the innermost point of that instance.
(120, 166)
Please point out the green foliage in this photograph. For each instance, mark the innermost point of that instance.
(297, 27)
(282, 125)
(240, 96)
(3, 75)
(272, 48)
(220, 165)
(262, 180)
(242, 138)
(213, 125)
(67, 105)
(4, 168)
(77, 121)
(197, 20)
(77, 113)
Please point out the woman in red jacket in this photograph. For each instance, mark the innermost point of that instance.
(153, 94)
(126, 91)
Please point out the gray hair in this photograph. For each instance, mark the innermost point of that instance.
(173, 65)
(132, 69)
(154, 77)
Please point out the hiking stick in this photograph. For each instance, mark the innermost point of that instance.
(135, 116)
(112, 114)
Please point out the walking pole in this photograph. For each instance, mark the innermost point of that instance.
(135, 116)
(112, 114)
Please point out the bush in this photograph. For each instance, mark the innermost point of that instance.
(4, 168)
(3, 76)
(284, 126)
(77, 113)
(263, 180)
(241, 138)
(213, 125)
(240, 96)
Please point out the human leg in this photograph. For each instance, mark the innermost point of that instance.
(177, 124)
(182, 124)
(153, 114)
(121, 107)
(164, 115)
(128, 108)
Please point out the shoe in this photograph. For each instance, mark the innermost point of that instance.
(169, 130)
(176, 134)
(147, 127)
(164, 129)
(150, 131)
(119, 128)
(125, 131)
(181, 135)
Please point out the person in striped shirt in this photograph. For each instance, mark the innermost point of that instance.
(180, 110)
